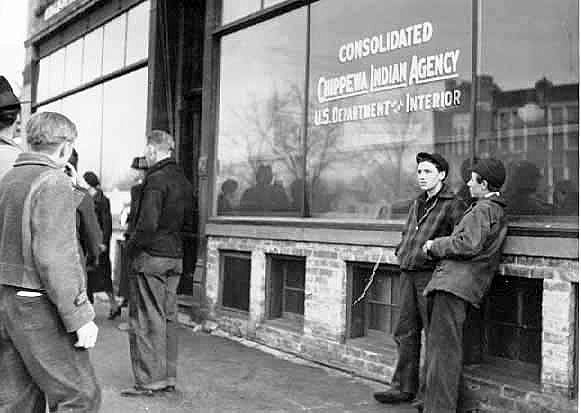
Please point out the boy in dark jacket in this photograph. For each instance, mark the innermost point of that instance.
(433, 214)
(469, 258)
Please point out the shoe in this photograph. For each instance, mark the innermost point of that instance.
(393, 396)
(137, 391)
(419, 405)
(169, 389)
(114, 314)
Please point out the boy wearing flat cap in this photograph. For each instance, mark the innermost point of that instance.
(469, 258)
(433, 214)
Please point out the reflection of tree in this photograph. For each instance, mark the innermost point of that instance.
(276, 135)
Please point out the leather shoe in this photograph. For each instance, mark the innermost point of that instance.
(393, 396)
(137, 391)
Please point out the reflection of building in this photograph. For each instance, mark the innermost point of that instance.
(126, 66)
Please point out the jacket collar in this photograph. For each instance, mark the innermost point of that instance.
(497, 198)
(444, 193)
(161, 164)
(35, 158)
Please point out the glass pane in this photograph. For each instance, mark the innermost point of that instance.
(84, 109)
(530, 347)
(295, 276)
(73, 64)
(535, 77)
(385, 86)
(235, 9)
(57, 73)
(92, 55)
(260, 117)
(42, 88)
(236, 283)
(502, 341)
(137, 33)
(294, 301)
(381, 289)
(114, 44)
(124, 122)
(55, 106)
(380, 317)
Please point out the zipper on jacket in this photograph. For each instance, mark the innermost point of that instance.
(423, 217)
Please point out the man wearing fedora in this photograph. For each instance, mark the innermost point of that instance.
(9, 111)
(432, 214)
(468, 259)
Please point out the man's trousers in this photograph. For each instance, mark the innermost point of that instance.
(447, 314)
(413, 317)
(39, 364)
(153, 308)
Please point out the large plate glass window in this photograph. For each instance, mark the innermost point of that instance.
(260, 146)
(528, 103)
(386, 79)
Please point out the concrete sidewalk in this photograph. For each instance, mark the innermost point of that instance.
(217, 374)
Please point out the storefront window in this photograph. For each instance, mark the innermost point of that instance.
(73, 64)
(137, 33)
(92, 55)
(534, 77)
(259, 149)
(384, 87)
(114, 44)
(235, 9)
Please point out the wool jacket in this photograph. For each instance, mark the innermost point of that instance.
(38, 243)
(165, 211)
(469, 257)
(438, 220)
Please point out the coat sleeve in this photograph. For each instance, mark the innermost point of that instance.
(468, 237)
(107, 221)
(55, 252)
(407, 225)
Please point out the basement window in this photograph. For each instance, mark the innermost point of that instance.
(286, 288)
(376, 315)
(235, 280)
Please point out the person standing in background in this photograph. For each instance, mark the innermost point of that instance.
(100, 277)
(9, 111)
(164, 212)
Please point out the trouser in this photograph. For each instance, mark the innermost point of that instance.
(413, 317)
(39, 364)
(153, 317)
(447, 314)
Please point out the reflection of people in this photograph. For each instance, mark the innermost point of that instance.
(264, 196)
(100, 276)
(566, 198)
(433, 214)
(469, 258)
(9, 110)
(226, 196)
(165, 211)
(522, 185)
(43, 298)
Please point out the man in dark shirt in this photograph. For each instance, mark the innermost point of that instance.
(165, 211)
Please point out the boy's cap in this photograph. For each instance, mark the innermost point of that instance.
(139, 162)
(492, 170)
(435, 158)
(91, 178)
(8, 99)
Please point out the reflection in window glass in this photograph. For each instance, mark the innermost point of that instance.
(42, 87)
(384, 87)
(84, 109)
(261, 113)
(92, 55)
(268, 3)
(114, 44)
(137, 33)
(124, 122)
(56, 106)
(235, 9)
(73, 64)
(57, 73)
(534, 78)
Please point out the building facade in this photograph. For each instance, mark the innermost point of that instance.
(298, 122)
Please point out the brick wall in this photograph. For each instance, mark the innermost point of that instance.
(322, 337)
